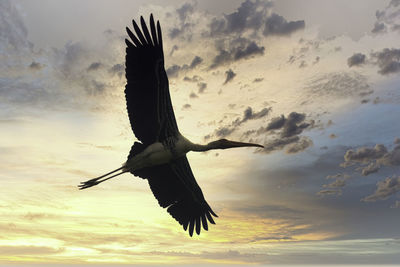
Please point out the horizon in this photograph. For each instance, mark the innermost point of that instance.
(316, 83)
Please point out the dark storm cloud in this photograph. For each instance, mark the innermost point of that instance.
(279, 143)
(195, 62)
(35, 66)
(229, 76)
(234, 50)
(257, 80)
(379, 27)
(202, 87)
(286, 131)
(186, 106)
(278, 25)
(94, 66)
(276, 123)
(183, 29)
(224, 131)
(356, 60)
(292, 125)
(252, 18)
(250, 15)
(385, 189)
(251, 49)
(195, 78)
(173, 49)
(248, 114)
(118, 69)
(292, 144)
(185, 10)
(255, 16)
(193, 95)
(388, 60)
(175, 70)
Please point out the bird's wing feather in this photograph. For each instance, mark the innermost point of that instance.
(147, 91)
(176, 189)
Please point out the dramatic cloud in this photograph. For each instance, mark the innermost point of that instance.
(118, 69)
(255, 16)
(35, 66)
(299, 146)
(385, 189)
(365, 154)
(235, 32)
(257, 80)
(183, 29)
(234, 50)
(375, 157)
(379, 27)
(292, 125)
(202, 87)
(248, 114)
(195, 62)
(370, 168)
(186, 106)
(94, 66)
(278, 25)
(388, 19)
(175, 70)
(369, 160)
(356, 60)
(388, 60)
(229, 76)
(250, 15)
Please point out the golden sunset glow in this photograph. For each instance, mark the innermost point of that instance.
(315, 82)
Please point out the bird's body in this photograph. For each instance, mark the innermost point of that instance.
(158, 153)
(160, 156)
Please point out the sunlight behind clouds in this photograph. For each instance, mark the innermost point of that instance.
(306, 87)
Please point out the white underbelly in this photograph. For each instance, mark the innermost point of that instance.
(154, 154)
(157, 154)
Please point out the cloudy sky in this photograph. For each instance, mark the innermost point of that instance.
(315, 82)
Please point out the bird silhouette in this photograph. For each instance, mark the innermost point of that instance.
(160, 156)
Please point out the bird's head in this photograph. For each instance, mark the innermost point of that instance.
(224, 143)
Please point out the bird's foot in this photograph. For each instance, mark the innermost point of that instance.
(89, 183)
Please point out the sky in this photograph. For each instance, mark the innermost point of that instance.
(315, 82)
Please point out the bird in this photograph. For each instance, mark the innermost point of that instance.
(159, 155)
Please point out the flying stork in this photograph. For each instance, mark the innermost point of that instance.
(160, 156)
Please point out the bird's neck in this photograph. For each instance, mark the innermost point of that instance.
(200, 148)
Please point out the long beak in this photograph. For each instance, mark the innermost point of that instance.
(241, 144)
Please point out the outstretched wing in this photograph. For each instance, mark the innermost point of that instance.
(176, 189)
(148, 100)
